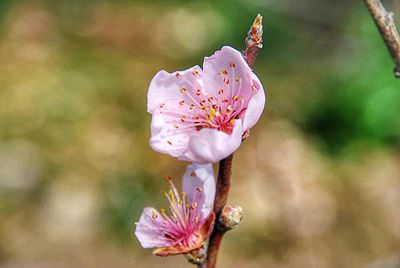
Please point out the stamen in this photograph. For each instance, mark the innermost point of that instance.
(235, 98)
(169, 142)
(183, 90)
(212, 113)
(195, 73)
(199, 189)
(178, 75)
(154, 215)
(193, 174)
(232, 65)
(181, 102)
(226, 80)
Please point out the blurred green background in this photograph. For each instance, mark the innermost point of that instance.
(319, 177)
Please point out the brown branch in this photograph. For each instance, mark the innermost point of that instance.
(223, 187)
(253, 46)
(385, 23)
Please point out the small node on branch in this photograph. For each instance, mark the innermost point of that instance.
(397, 71)
(230, 218)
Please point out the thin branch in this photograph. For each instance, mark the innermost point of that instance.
(222, 192)
(253, 46)
(385, 23)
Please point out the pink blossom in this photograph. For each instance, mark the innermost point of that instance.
(191, 220)
(202, 115)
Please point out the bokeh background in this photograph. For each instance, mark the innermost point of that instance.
(319, 177)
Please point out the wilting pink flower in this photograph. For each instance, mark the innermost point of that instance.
(191, 219)
(202, 115)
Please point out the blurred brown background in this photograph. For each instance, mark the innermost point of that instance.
(319, 178)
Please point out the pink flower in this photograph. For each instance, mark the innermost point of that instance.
(202, 115)
(191, 220)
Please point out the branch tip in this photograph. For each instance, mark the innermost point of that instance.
(253, 41)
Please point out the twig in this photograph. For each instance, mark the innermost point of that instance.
(223, 187)
(385, 23)
(253, 46)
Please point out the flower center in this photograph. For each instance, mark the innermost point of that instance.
(200, 108)
(205, 111)
(182, 226)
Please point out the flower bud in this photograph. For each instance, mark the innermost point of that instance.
(231, 216)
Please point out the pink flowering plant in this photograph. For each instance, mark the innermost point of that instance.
(190, 220)
(201, 116)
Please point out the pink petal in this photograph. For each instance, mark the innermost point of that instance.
(255, 106)
(148, 230)
(212, 145)
(200, 176)
(230, 60)
(204, 234)
(165, 86)
(165, 138)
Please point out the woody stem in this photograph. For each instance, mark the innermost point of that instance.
(223, 187)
